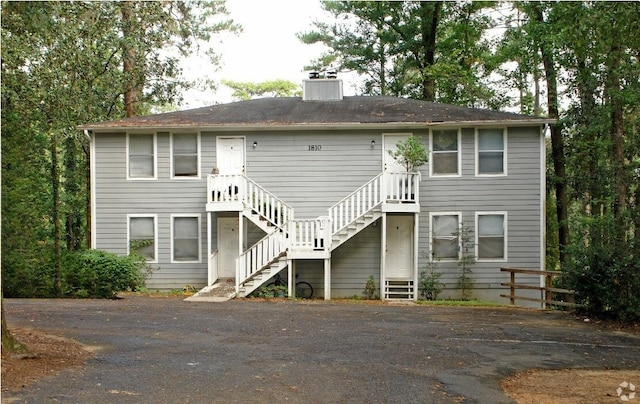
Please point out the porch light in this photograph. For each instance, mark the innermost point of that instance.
(255, 144)
(373, 144)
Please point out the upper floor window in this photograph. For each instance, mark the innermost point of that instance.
(445, 229)
(185, 238)
(491, 236)
(491, 152)
(184, 153)
(142, 236)
(141, 156)
(445, 152)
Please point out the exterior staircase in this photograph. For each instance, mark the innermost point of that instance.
(288, 238)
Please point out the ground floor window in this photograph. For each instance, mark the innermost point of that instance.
(491, 236)
(444, 235)
(142, 236)
(185, 230)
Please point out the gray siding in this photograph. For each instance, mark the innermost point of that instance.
(313, 180)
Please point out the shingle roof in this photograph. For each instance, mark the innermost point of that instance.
(292, 111)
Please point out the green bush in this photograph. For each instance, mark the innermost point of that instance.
(604, 271)
(97, 273)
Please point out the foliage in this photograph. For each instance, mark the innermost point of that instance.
(466, 260)
(410, 153)
(370, 291)
(274, 88)
(96, 273)
(603, 272)
(429, 282)
(434, 51)
(63, 64)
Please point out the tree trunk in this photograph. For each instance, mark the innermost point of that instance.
(557, 142)
(131, 91)
(55, 188)
(617, 129)
(430, 12)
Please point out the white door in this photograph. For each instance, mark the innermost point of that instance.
(399, 252)
(230, 155)
(390, 142)
(228, 235)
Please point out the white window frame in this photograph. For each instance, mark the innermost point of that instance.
(171, 159)
(432, 173)
(504, 153)
(155, 232)
(431, 243)
(155, 157)
(172, 236)
(505, 225)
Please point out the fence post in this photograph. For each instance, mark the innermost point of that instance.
(513, 288)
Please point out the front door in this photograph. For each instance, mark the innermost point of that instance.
(230, 155)
(228, 235)
(390, 142)
(399, 251)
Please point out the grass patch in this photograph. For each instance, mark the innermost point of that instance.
(460, 303)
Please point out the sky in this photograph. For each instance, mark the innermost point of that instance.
(267, 49)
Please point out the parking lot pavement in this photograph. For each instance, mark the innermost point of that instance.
(165, 350)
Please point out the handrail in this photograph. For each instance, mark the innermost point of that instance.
(212, 268)
(239, 188)
(356, 204)
(266, 204)
(265, 251)
(313, 234)
(401, 186)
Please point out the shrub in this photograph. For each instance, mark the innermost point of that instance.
(97, 273)
(604, 271)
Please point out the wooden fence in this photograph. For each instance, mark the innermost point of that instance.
(547, 291)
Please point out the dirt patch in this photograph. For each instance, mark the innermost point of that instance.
(48, 355)
(573, 386)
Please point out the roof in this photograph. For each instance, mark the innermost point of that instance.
(292, 112)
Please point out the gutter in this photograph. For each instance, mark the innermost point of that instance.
(264, 127)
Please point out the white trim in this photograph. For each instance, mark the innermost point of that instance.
(155, 232)
(198, 167)
(198, 216)
(92, 187)
(543, 204)
(504, 154)
(155, 157)
(505, 225)
(432, 174)
(262, 127)
(430, 241)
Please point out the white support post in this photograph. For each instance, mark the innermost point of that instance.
(383, 254)
(209, 275)
(327, 279)
(416, 225)
(291, 270)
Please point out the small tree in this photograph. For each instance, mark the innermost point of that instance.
(429, 283)
(410, 153)
(370, 291)
(466, 259)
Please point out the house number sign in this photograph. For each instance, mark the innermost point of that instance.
(315, 147)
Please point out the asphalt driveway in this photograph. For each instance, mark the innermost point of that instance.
(165, 350)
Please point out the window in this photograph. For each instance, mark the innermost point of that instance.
(490, 144)
(184, 149)
(491, 236)
(186, 239)
(142, 236)
(444, 235)
(445, 148)
(141, 156)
